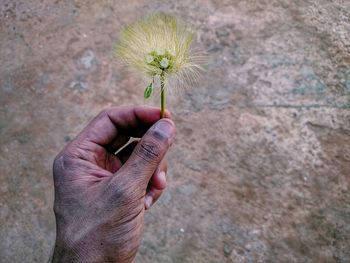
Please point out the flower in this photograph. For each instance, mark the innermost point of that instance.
(157, 45)
(164, 63)
(160, 46)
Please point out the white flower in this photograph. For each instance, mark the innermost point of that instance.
(160, 51)
(149, 59)
(164, 63)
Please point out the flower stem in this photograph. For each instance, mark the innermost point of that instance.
(162, 95)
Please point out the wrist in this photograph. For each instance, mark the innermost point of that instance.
(88, 251)
(64, 253)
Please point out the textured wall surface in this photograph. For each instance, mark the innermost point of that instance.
(260, 171)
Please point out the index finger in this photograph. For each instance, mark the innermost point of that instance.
(127, 120)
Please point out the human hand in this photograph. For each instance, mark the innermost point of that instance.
(100, 197)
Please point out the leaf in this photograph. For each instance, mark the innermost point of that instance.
(148, 91)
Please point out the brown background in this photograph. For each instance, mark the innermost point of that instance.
(260, 170)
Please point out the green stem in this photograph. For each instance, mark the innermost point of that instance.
(162, 95)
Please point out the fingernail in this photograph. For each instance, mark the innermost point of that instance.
(162, 176)
(148, 201)
(164, 129)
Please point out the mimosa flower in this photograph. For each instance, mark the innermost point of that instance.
(159, 46)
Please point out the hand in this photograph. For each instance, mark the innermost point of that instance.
(100, 197)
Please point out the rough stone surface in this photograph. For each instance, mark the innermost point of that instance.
(260, 171)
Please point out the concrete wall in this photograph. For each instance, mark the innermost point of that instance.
(260, 170)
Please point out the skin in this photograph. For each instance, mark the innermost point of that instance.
(100, 196)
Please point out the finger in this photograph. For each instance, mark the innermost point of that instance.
(126, 120)
(152, 197)
(124, 154)
(150, 151)
(158, 180)
(114, 162)
(156, 185)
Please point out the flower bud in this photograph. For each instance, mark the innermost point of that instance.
(164, 63)
(149, 59)
(160, 51)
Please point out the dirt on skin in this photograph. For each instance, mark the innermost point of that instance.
(260, 170)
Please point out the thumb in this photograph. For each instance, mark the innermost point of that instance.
(150, 151)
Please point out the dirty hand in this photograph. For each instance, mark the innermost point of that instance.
(100, 196)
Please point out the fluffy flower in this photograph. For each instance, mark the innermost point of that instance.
(159, 45)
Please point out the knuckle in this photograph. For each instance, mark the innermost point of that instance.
(61, 163)
(106, 112)
(149, 150)
(103, 113)
(123, 193)
(57, 163)
(117, 195)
